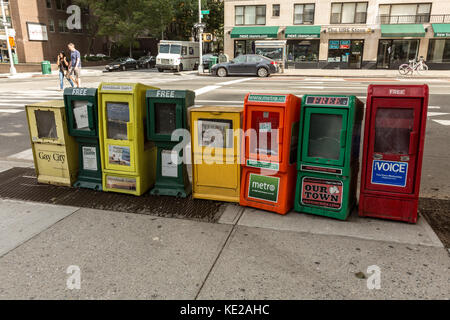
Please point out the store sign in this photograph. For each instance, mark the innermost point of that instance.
(255, 36)
(348, 30)
(37, 32)
(322, 193)
(442, 34)
(344, 44)
(302, 35)
(334, 44)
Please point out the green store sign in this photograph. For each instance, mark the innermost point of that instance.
(263, 187)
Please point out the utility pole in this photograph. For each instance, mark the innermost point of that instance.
(200, 35)
(12, 69)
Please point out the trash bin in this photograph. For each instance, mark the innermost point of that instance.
(212, 61)
(46, 67)
(54, 150)
(15, 58)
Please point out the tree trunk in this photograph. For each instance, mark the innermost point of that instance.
(131, 49)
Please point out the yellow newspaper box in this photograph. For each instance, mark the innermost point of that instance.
(216, 144)
(128, 157)
(55, 152)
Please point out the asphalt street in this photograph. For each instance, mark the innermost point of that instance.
(15, 93)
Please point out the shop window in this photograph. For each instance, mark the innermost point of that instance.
(304, 13)
(250, 15)
(393, 53)
(244, 47)
(348, 53)
(348, 12)
(439, 51)
(405, 13)
(275, 10)
(303, 51)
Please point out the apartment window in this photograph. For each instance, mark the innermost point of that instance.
(348, 12)
(61, 4)
(439, 51)
(51, 25)
(62, 26)
(250, 15)
(405, 13)
(49, 4)
(304, 13)
(276, 10)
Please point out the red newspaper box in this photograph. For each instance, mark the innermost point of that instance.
(394, 139)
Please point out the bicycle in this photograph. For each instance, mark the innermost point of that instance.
(418, 66)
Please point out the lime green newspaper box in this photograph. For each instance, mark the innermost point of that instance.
(128, 157)
(328, 155)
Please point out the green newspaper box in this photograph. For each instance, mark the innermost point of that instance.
(328, 155)
(167, 112)
(82, 118)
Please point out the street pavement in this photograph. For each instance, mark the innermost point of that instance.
(249, 254)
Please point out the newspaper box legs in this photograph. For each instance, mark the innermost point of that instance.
(328, 153)
(394, 140)
(271, 126)
(128, 158)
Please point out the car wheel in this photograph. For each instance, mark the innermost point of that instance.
(136, 67)
(160, 70)
(148, 65)
(262, 72)
(222, 72)
(124, 68)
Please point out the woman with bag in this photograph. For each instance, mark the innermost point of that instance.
(63, 66)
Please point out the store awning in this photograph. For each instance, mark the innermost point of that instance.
(441, 30)
(254, 32)
(302, 32)
(402, 30)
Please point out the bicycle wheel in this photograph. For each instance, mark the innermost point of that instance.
(422, 69)
(404, 69)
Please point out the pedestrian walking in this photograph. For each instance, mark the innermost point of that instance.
(75, 64)
(63, 66)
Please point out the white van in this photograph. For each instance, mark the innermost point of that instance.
(177, 55)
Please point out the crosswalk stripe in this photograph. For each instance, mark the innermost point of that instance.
(434, 114)
(11, 110)
(443, 122)
(24, 155)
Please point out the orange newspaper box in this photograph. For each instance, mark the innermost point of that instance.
(271, 127)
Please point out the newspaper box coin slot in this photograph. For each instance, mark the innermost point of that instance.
(216, 152)
(328, 153)
(393, 151)
(271, 125)
(54, 150)
(167, 110)
(128, 157)
(82, 114)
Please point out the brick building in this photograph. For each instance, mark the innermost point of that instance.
(40, 30)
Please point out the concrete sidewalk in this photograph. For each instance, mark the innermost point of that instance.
(249, 254)
(361, 73)
(85, 72)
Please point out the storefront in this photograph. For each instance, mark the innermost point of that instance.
(346, 54)
(394, 52)
(439, 47)
(244, 38)
(303, 46)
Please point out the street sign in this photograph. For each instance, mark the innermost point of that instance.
(200, 25)
(205, 11)
(5, 24)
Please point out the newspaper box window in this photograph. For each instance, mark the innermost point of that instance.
(216, 152)
(128, 158)
(328, 155)
(167, 110)
(271, 140)
(82, 114)
(393, 151)
(54, 150)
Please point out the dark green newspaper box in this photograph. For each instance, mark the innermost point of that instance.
(167, 112)
(82, 119)
(328, 155)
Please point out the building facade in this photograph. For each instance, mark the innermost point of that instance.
(343, 34)
(40, 30)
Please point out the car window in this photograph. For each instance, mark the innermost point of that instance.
(254, 59)
(240, 59)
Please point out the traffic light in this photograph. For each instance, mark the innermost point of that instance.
(207, 37)
(12, 43)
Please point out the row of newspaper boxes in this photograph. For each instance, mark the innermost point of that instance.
(277, 153)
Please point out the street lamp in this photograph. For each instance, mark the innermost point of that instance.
(12, 69)
(200, 32)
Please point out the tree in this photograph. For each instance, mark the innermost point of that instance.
(215, 20)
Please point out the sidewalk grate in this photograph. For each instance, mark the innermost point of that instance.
(437, 213)
(21, 184)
